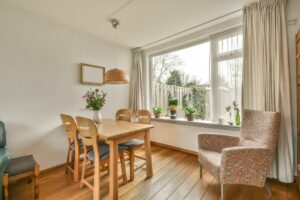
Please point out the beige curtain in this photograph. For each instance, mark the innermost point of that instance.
(266, 76)
(136, 97)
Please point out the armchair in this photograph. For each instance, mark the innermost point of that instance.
(245, 159)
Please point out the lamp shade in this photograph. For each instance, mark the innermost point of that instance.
(116, 76)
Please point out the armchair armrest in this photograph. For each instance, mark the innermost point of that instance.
(216, 142)
(245, 165)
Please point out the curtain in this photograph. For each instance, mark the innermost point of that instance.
(266, 81)
(136, 97)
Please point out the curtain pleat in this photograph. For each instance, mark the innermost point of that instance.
(266, 75)
(136, 97)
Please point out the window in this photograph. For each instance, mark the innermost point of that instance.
(206, 76)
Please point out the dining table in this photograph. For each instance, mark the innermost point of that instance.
(115, 132)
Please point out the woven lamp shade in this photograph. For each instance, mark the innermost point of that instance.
(116, 76)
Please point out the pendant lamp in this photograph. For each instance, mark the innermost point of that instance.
(116, 75)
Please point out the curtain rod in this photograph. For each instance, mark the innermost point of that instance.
(191, 28)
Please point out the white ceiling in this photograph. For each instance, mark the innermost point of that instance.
(142, 21)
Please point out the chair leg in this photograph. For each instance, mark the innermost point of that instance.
(83, 168)
(269, 189)
(36, 181)
(201, 167)
(222, 191)
(122, 160)
(5, 186)
(131, 159)
(68, 159)
(76, 166)
(73, 158)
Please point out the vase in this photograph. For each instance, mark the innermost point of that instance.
(97, 116)
(237, 119)
(173, 114)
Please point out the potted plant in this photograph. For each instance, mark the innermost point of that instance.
(95, 101)
(157, 110)
(190, 112)
(172, 103)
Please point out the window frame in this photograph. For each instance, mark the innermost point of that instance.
(179, 46)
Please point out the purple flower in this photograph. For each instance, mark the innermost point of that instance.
(85, 96)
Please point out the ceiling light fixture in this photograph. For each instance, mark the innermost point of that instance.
(116, 75)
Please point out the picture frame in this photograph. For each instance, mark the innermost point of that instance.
(92, 74)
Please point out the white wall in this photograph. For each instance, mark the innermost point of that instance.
(39, 79)
(182, 136)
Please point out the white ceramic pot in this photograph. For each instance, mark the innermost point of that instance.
(97, 116)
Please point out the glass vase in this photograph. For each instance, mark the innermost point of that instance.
(237, 119)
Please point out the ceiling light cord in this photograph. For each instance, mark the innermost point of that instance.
(119, 9)
(116, 48)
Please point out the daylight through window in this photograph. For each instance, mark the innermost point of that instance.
(206, 77)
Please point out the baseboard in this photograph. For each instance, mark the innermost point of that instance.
(52, 168)
(175, 148)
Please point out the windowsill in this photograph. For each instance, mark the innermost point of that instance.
(199, 123)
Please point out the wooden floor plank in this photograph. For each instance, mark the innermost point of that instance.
(200, 187)
(154, 183)
(186, 186)
(176, 177)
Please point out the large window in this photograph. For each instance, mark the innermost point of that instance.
(206, 76)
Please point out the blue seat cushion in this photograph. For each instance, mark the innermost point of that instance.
(132, 143)
(103, 151)
(20, 165)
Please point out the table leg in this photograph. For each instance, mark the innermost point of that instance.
(148, 154)
(113, 171)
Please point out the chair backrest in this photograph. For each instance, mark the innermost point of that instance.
(2, 135)
(260, 128)
(70, 128)
(89, 134)
(124, 115)
(143, 116)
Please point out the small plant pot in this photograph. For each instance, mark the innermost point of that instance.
(157, 115)
(173, 114)
(190, 117)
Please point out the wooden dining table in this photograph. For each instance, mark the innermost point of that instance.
(115, 132)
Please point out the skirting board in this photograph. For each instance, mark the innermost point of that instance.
(175, 148)
(44, 171)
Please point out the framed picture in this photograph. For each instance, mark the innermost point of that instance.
(92, 74)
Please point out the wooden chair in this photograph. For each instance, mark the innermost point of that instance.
(75, 147)
(143, 117)
(124, 115)
(98, 155)
(19, 168)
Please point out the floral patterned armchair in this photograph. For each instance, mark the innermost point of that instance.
(242, 160)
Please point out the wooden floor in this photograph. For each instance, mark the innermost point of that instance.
(176, 176)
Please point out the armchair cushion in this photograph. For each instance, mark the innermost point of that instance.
(216, 142)
(211, 160)
(245, 165)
